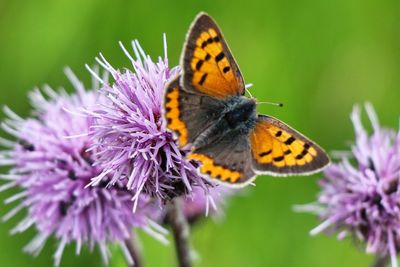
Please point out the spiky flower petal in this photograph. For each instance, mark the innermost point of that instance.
(51, 166)
(362, 199)
(130, 134)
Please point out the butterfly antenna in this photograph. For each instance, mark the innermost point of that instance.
(246, 87)
(271, 103)
(248, 91)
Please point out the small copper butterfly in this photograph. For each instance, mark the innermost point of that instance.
(206, 108)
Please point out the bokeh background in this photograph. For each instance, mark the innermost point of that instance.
(317, 57)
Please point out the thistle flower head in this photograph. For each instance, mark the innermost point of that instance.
(130, 135)
(361, 199)
(51, 166)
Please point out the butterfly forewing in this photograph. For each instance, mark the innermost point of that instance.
(278, 149)
(188, 114)
(208, 65)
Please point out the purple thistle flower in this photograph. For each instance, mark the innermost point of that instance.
(362, 199)
(131, 137)
(51, 165)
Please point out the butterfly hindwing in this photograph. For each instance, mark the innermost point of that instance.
(208, 65)
(227, 160)
(188, 114)
(278, 149)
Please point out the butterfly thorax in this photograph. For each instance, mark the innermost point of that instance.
(240, 112)
(237, 116)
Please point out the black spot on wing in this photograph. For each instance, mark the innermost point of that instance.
(199, 64)
(277, 159)
(287, 152)
(203, 78)
(303, 153)
(226, 69)
(219, 57)
(209, 41)
(290, 140)
(266, 153)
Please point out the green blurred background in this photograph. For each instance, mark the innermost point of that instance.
(317, 57)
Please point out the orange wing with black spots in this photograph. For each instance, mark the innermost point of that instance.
(210, 168)
(188, 114)
(172, 112)
(278, 149)
(208, 65)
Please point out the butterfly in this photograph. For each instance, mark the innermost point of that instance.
(206, 108)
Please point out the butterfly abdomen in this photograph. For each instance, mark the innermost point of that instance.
(240, 112)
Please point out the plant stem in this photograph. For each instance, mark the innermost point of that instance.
(134, 251)
(180, 229)
(381, 261)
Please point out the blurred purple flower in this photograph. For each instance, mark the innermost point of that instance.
(51, 165)
(362, 199)
(198, 204)
(130, 135)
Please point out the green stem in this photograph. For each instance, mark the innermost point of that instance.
(134, 251)
(381, 261)
(180, 229)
